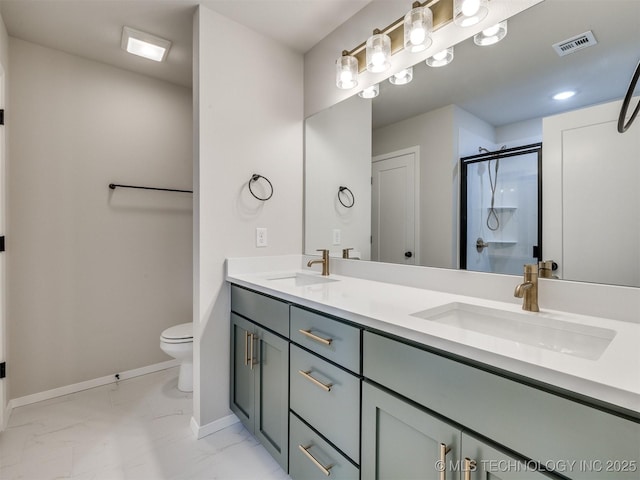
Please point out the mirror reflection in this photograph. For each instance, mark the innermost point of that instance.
(404, 153)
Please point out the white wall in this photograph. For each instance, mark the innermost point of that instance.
(338, 153)
(248, 119)
(521, 133)
(95, 275)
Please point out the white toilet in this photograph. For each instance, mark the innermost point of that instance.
(177, 341)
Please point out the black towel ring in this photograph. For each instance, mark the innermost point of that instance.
(622, 127)
(353, 198)
(254, 178)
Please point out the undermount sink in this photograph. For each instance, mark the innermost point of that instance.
(531, 329)
(300, 279)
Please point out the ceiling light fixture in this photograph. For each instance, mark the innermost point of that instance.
(564, 95)
(469, 12)
(440, 59)
(491, 35)
(418, 24)
(402, 77)
(370, 92)
(144, 44)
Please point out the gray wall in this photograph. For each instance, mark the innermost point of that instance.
(95, 275)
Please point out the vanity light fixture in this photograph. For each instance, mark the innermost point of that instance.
(378, 52)
(412, 31)
(418, 24)
(440, 59)
(469, 12)
(370, 92)
(491, 35)
(346, 71)
(402, 77)
(144, 44)
(564, 95)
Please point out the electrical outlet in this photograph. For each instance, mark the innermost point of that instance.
(337, 236)
(261, 237)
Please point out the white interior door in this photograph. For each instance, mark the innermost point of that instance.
(3, 277)
(394, 208)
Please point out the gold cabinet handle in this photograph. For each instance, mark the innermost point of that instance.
(247, 358)
(443, 460)
(324, 341)
(324, 469)
(315, 381)
(252, 360)
(469, 466)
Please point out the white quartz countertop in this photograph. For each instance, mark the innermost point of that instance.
(613, 378)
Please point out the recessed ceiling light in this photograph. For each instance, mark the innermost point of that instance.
(564, 95)
(144, 44)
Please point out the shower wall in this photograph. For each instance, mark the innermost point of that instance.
(511, 227)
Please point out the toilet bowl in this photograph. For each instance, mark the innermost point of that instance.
(177, 341)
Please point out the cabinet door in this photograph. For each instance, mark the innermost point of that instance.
(272, 394)
(400, 440)
(242, 370)
(480, 460)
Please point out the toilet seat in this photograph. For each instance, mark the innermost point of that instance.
(182, 333)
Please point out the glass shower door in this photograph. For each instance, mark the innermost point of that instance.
(500, 210)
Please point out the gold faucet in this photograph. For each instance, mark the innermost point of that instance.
(528, 290)
(324, 261)
(346, 254)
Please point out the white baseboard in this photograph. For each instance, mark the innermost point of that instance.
(96, 382)
(217, 425)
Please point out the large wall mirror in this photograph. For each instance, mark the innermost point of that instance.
(407, 151)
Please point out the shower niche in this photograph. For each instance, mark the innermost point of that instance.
(500, 210)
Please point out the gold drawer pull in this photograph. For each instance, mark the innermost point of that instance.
(443, 460)
(315, 381)
(324, 341)
(469, 466)
(324, 469)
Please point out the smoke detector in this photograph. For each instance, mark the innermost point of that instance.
(573, 44)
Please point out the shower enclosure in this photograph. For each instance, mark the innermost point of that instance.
(501, 214)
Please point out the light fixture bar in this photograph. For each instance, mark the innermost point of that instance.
(144, 44)
(442, 15)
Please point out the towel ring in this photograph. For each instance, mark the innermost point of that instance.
(353, 198)
(254, 178)
(622, 127)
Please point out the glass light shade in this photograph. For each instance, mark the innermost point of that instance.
(491, 35)
(469, 12)
(441, 59)
(144, 44)
(418, 25)
(378, 53)
(346, 72)
(370, 92)
(402, 77)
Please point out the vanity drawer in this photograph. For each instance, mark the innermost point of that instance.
(317, 454)
(537, 424)
(334, 340)
(268, 312)
(326, 397)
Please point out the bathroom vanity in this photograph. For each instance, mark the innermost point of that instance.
(358, 379)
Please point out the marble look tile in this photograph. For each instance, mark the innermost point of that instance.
(137, 429)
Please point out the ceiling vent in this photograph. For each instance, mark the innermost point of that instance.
(574, 44)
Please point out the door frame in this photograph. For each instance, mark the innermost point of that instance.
(509, 152)
(415, 150)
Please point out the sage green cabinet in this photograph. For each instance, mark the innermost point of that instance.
(260, 384)
(401, 441)
(481, 461)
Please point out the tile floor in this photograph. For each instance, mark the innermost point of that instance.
(137, 429)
